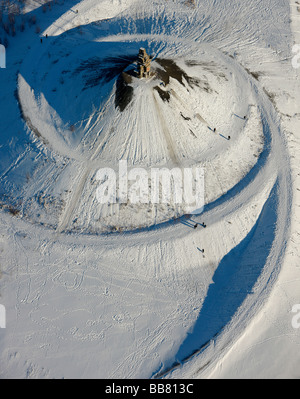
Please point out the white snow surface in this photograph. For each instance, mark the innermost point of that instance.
(145, 301)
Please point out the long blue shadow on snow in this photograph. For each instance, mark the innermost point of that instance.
(232, 282)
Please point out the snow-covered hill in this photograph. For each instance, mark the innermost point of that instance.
(134, 290)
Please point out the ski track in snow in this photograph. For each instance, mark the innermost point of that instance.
(135, 301)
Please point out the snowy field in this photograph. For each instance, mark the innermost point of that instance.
(134, 290)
